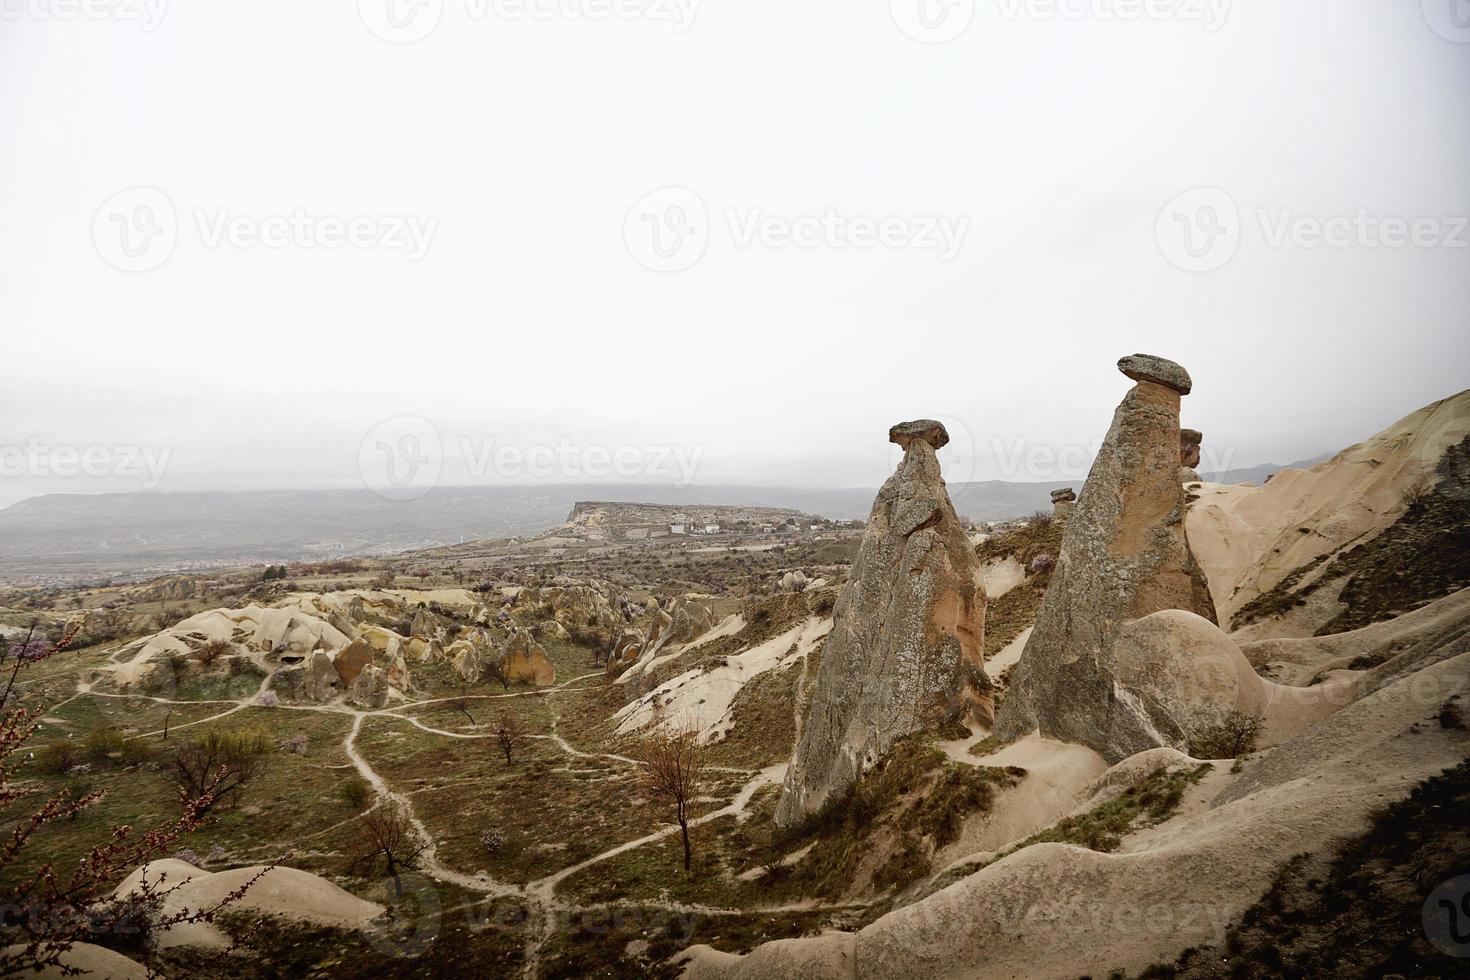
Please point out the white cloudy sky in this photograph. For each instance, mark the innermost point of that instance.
(1056, 142)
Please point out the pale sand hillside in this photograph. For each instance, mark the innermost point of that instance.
(1248, 539)
(281, 891)
(1056, 910)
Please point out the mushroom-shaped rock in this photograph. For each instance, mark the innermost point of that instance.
(1147, 367)
(926, 430)
(1066, 494)
(905, 651)
(1124, 555)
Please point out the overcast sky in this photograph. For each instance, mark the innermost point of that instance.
(865, 226)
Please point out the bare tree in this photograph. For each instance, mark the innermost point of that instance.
(388, 832)
(221, 761)
(673, 771)
(461, 703)
(507, 734)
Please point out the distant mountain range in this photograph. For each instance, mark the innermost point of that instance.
(130, 533)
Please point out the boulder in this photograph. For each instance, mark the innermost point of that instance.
(1156, 370)
(905, 651)
(552, 630)
(351, 660)
(522, 661)
(690, 621)
(795, 581)
(464, 656)
(423, 650)
(370, 688)
(423, 624)
(1124, 555)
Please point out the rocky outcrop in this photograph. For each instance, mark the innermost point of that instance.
(321, 678)
(424, 624)
(351, 660)
(464, 656)
(370, 688)
(1062, 502)
(627, 648)
(424, 651)
(522, 661)
(1124, 555)
(905, 651)
(794, 581)
(690, 620)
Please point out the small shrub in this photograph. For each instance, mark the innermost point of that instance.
(295, 744)
(268, 699)
(1227, 735)
(212, 651)
(354, 792)
(492, 841)
(188, 857)
(136, 752)
(101, 743)
(1451, 714)
(58, 757)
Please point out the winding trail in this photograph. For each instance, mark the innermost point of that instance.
(539, 895)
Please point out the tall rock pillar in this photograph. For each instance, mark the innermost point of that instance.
(906, 648)
(1124, 555)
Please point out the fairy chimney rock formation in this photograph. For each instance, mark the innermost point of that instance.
(1124, 555)
(1062, 502)
(905, 651)
(1189, 449)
